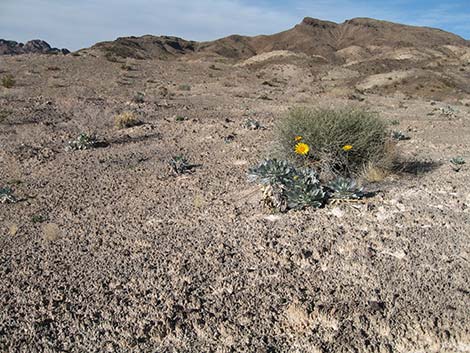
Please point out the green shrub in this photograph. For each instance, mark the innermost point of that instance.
(287, 187)
(338, 142)
(179, 165)
(8, 81)
(6, 195)
(184, 87)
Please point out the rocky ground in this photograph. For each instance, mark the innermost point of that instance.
(107, 251)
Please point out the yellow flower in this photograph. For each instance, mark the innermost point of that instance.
(346, 148)
(298, 138)
(302, 148)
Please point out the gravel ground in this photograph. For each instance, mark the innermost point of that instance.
(107, 251)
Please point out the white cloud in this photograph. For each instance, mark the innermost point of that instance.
(77, 24)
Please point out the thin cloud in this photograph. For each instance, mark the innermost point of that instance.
(76, 24)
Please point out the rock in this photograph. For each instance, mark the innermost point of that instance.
(36, 46)
(337, 212)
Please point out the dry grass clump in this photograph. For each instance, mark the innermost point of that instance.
(8, 81)
(126, 120)
(334, 141)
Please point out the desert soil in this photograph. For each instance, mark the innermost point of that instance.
(107, 251)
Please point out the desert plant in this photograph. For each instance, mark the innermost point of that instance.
(304, 190)
(127, 67)
(181, 118)
(399, 136)
(337, 142)
(184, 87)
(139, 97)
(272, 171)
(8, 81)
(38, 218)
(82, 142)
(251, 124)
(287, 187)
(457, 163)
(180, 165)
(4, 114)
(345, 189)
(6, 195)
(125, 120)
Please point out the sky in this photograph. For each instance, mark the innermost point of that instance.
(76, 24)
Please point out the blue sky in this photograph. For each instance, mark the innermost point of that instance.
(76, 24)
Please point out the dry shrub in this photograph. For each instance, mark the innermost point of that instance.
(327, 131)
(125, 120)
(8, 81)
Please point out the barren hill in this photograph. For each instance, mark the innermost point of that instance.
(311, 36)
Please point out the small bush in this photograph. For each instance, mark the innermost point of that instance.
(251, 124)
(336, 142)
(125, 120)
(6, 195)
(399, 136)
(4, 114)
(184, 87)
(83, 142)
(8, 81)
(139, 97)
(180, 165)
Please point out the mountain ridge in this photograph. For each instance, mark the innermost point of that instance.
(311, 36)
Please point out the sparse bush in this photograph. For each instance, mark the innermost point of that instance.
(6, 195)
(127, 67)
(125, 120)
(181, 118)
(399, 136)
(8, 81)
(139, 97)
(184, 87)
(251, 124)
(83, 142)
(180, 165)
(4, 114)
(336, 142)
(38, 218)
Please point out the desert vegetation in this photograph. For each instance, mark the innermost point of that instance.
(8, 81)
(309, 199)
(126, 120)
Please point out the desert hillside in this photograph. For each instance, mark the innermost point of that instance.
(128, 222)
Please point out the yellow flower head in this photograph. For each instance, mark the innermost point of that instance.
(298, 138)
(347, 148)
(302, 148)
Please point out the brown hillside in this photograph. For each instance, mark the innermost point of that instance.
(311, 36)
